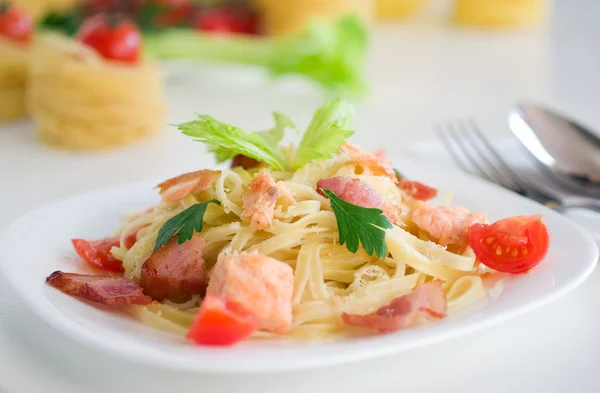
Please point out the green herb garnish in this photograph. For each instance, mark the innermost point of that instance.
(226, 141)
(356, 223)
(327, 131)
(183, 224)
(399, 174)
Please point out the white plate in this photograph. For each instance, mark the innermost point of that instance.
(38, 244)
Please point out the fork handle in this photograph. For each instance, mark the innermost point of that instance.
(580, 203)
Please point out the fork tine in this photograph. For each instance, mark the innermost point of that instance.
(478, 166)
(451, 148)
(509, 171)
(476, 139)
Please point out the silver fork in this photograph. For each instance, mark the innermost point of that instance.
(474, 153)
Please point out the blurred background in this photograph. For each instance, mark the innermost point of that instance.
(75, 90)
(89, 92)
(408, 58)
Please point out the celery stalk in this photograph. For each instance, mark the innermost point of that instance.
(330, 53)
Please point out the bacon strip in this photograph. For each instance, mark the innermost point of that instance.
(358, 192)
(376, 163)
(428, 300)
(245, 162)
(449, 225)
(180, 187)
(417, 190)
(260, 199)
(98, 289)
(175, 271)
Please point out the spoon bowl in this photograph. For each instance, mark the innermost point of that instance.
(564, 147)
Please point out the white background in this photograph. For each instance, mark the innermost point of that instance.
(420, 73)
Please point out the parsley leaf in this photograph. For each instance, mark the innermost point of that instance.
(183, 224)
(356, 223)
(327, 131)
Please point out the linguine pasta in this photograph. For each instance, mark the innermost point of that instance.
(311, 242)
(328, 279)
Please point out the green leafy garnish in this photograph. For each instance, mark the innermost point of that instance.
(227, 141)
(330, 53)
(327, 131)
(183, 224)
(356, 223)
(275, 135)
(399, 174)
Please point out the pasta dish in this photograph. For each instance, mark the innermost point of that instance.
(312, 241)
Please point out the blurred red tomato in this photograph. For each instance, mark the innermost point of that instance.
(227, 20)
(175, 13)
(113, 37)
(15, 24)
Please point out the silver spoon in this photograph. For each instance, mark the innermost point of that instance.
(559, 144)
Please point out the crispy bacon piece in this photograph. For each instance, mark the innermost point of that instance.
(99, 289)
(259, 200)
(449, 225)
(245, 162)
(175, 271)
(376, 163)
(417, 190)
(179, 187)
(427, 300)
(262, 285)
(358, 192)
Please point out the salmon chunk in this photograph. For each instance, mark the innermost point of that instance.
(260, 199)
(377, 163)
(448, 224)
(262, 285)
(180, 187)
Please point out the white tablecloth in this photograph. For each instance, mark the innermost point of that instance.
(420, 73)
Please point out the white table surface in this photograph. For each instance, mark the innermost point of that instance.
(420, 73)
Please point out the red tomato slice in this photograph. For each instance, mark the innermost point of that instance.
(221, 322)
(15, 24)
(513, 245)
(97, 252)
(113, 39)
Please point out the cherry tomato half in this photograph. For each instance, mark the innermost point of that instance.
(220, 322)
(513, 245)
(15, 24)
(97, 252)
(113, 37)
